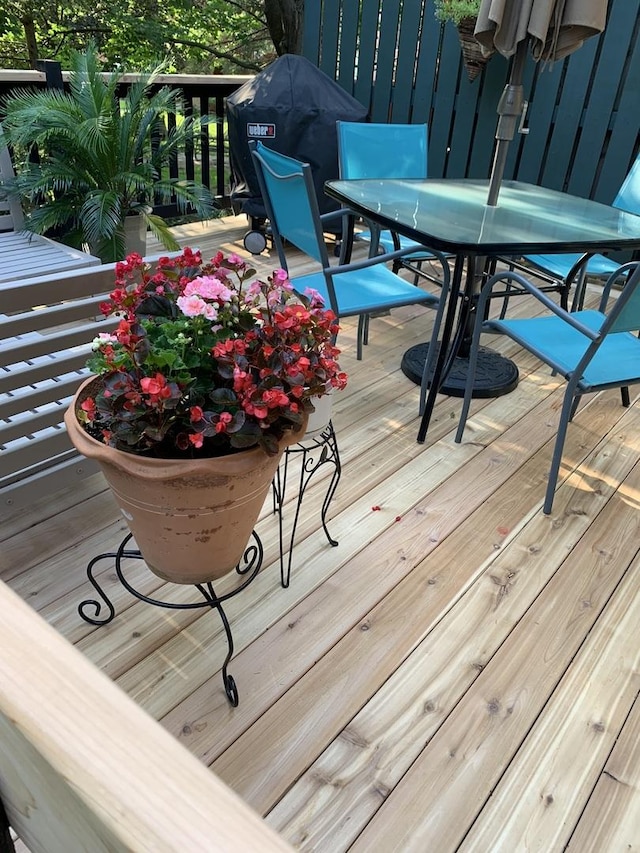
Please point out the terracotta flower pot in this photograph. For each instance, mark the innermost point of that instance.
(190, 518)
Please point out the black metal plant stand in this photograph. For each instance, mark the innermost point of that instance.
(316, 451)
(248, 568)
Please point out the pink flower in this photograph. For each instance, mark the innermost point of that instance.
(208, 287)
(194, 306)
(281, 277)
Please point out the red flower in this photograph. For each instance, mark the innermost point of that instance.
(223, 420)
(208, 382)
(196, 439)
(88, 406)
(156, 387)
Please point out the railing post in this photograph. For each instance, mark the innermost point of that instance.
(52, 72)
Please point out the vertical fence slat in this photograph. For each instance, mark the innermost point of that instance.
(579, 67)
(444, 101)
(426, 69)
(584, 114)
(348, 46)
(410, 25)
(385, 59)
(329, 35)
(462, 131)
(366, 52)
(311, 31)
(623, 142)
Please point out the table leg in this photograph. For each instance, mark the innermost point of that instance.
(495, 375)
(439, 367)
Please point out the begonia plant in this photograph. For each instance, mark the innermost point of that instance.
(206, 359)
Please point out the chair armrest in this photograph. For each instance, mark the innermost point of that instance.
(386, 258)
(514, 277)
(333, 214)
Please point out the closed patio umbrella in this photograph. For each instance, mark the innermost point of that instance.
(553, 29)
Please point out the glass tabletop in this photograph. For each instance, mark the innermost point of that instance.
(452, 215)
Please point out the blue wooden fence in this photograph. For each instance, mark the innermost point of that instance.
(399, 62)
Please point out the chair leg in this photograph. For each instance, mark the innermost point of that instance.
(626, 399)
(362, 320)
(574, 406)
(432, 350)
(468, 388)
(565, 416)
(365, 329)
(577, 303)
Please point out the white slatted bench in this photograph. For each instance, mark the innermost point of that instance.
(47, 326)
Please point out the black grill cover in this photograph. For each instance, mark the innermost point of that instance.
(292, 107)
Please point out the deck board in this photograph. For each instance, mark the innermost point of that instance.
(459, 673)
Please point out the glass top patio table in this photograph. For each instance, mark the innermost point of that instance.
(453, 217)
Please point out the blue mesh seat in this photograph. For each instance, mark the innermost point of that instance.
(564, 270)
(592, 350)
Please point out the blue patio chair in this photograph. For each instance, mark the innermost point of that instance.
(354, 289)
(387, 151)
(592, 350)
(561, 271)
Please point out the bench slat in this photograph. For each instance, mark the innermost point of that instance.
(40, 394)
(33, 346)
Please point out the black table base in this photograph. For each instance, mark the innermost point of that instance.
(495, 374)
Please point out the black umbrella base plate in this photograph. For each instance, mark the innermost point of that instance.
(495, 374)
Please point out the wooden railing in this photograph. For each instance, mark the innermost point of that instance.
(83, 768)
(206, 157)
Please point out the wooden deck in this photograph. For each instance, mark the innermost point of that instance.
(460, 673)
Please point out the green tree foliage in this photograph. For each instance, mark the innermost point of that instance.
(193, 36)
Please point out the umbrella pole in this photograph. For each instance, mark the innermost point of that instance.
(509, 111)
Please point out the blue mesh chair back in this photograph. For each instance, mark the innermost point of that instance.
(294, 209)
(382, 150)
(628, 197)
(354, 289)
(379, 151)
(567, 268)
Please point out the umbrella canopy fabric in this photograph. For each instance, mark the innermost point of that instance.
(554, 28)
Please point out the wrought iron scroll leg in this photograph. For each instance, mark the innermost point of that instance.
(228, 681)
(327, 445)
(93, 602)
(6, 842)
(333, 484)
